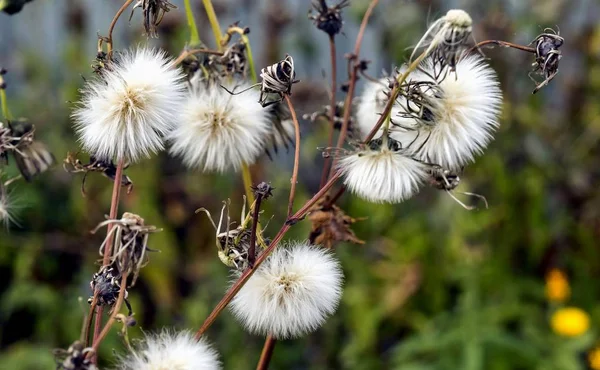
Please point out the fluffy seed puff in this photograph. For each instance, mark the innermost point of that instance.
(126, 113)
(172, 351)
(218, 131)
(371, 104)
(292, 293)
(458, 116)
(382, 173)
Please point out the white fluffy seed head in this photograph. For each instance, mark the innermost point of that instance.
(7, 206)
(171, 350)
(382, 176)
(126, 114)
(371, 104)
(218, 131)
(465, 117)
(292, 293)
(458, 18)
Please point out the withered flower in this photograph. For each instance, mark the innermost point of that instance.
(130, 243)
(106, 283)
(74, 358)
(330, 225)
(547, 56)
(448, 180)
(328, 19)
(153, 12)
(108, 169)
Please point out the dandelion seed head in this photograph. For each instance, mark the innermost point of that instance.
(382, 176)
(126, 113)
(371, 105)
(292, 293)
(458, 18)
(218, 131)
(171, 351)
(465, 116)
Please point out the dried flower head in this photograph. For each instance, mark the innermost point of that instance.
(455, 119)
(74, 358)
(153, 12)
(125, 114)
(106, 286)
(446, 37)
(328, 19)
(382, 173)
(173, 351)
(448, 180)
(233, 60)
(13, 6)
(218, 131)
(330, 225)
(292, 293)
(130, 243)
(547, 56)
(277, 79)
(32, 157)
(371, 104)
(72, 164)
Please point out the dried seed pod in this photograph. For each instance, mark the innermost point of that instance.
(72, 164)
(32, 157)
(547, 56)
(106, 283)
(330, 225)
(328, 19)
(74, 358)
(448, 180)
(153, 12)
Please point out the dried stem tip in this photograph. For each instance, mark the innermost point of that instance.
(328, 19)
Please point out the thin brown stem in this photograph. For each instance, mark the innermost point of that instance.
(235, 288)
(255, 213)
(184, 54)
(332, 105)
(114, 207)
(267, 353)
(115, 312)
(383, 116)
(354, 67)
(503, 43)
(109, 39)
(88, 322)
(296, 156)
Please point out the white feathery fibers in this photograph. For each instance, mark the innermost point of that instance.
(382, 176)
(171, 350)
(126, 113)
(292, 293)
(218, 131)
(371, 104)
(465, 115)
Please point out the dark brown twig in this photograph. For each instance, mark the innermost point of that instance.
(502, 43)
(332, 104)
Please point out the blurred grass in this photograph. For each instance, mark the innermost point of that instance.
(434, 287)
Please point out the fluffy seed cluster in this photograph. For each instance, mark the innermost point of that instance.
(171, 351)
(292, 293)
(371, 104)
(382, 175)
(464, 114)
(126, 113)
(218, 131)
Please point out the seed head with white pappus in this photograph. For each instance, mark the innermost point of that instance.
(171, 351)
(218, 131)
(126, 113)
(292, 293)
(371, 104)
(382, 173)
(462, 113)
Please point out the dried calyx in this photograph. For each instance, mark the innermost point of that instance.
(330, 225)
(328, 18)
(72, 164)
(106, 286)
(153, 12)
(547, 56)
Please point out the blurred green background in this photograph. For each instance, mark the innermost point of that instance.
(434, 286)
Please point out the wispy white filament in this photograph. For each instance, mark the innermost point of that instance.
(126, 114)
(465, 115)
(382, 176)
(292, 293)
(218, 131)
(171, 351)
(371, 104)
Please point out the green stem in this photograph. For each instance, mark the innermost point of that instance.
(5, 112)
(194, 37)
(250, 59)
(214, 23)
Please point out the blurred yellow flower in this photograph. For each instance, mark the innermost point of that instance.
(570, 321)
(594, 358)
(557, 286)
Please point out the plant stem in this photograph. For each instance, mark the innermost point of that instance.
(294, 179)
(247, 178)
(109, 42)
(235, 288)
(189, 13)
(502, 43)
(114, 207)
(267, 353)
(187, 53)
(214, 23)
(353, 78)
(4, 102)
(252, 248)
(332, 104)
(88, 322)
